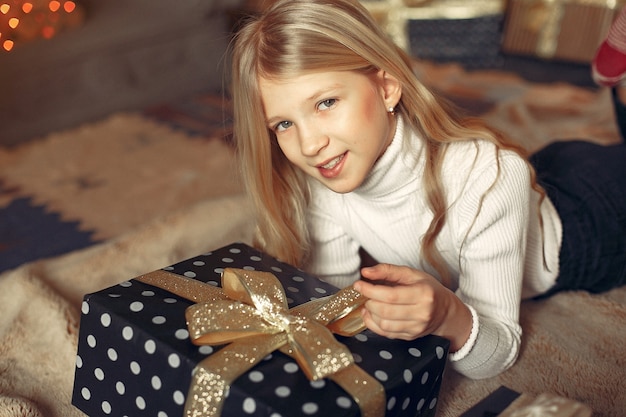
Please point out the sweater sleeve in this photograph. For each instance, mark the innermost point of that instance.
(491, 220)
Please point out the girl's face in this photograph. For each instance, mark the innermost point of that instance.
(332, 125)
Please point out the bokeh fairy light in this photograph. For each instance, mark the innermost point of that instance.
(23, 21)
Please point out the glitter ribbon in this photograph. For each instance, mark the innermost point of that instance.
(250, 314)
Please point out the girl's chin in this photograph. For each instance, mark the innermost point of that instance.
(340, 187)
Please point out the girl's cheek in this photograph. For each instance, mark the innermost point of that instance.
(289, 153)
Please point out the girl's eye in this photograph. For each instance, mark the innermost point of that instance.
(327, 104)
(282, 126)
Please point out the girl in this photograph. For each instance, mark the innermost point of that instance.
(345, 153)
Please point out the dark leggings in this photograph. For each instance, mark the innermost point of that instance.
(587, 184)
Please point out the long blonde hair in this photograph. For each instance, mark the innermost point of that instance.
(297, 36)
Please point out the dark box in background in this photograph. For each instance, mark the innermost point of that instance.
(473, 42)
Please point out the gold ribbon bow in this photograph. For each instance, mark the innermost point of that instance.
(250, 314)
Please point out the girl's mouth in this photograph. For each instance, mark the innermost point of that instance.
(333, 167)
(333, 163)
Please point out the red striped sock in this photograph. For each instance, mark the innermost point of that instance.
(617, 33)
(609, 64)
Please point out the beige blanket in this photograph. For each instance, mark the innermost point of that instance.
(164, 206)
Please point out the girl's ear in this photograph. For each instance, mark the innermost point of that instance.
(390, 87)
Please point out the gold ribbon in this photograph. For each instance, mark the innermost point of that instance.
(250, 314)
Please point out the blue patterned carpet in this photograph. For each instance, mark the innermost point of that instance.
(37, 221)
(28, 231)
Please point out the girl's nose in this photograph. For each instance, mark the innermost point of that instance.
(312, 141)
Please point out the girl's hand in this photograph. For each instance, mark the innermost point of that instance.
(406, 304)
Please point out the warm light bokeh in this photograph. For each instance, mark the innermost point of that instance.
(47, 32)
(26, 20)
(69, 6)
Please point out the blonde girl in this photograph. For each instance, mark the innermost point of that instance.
(347, 157)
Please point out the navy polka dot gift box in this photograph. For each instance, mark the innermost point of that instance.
(135, 357)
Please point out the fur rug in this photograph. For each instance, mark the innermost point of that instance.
(573, 342)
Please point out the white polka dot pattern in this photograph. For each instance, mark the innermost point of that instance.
(135, 358)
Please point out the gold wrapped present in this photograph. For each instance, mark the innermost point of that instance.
(567, 30)
(546, 405)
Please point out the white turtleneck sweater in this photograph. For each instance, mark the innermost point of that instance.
(494, 252)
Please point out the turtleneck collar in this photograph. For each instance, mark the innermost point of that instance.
(396, 167)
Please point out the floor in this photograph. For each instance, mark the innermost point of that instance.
(538, 70)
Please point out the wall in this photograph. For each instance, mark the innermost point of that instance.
(127, 55)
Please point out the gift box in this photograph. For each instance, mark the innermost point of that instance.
(566, 30)
(136, 356)
(504, 402)
(465, 32)
(546, 405)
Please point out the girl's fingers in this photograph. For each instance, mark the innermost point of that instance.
(385, 293)
(392, 274)
(418, 292)
(403, 303)
(398, 312)
(390, 328)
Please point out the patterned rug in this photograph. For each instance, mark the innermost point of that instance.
(82, 186)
